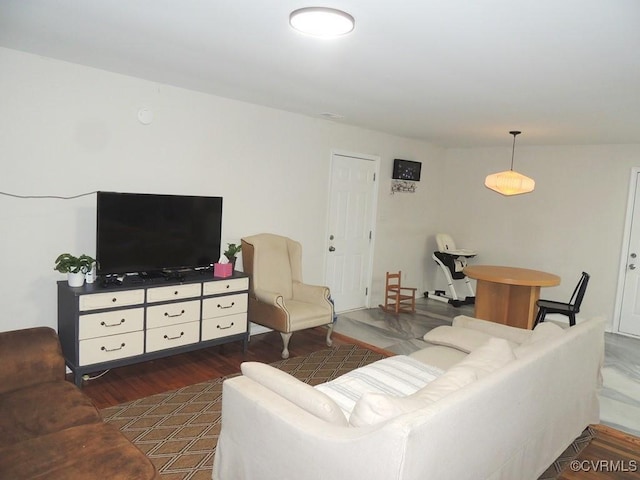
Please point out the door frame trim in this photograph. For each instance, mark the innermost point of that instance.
(624, 251)
(374, 212)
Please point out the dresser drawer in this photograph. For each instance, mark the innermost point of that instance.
(93, 325)
(173, 313)
(224, 305)
(113, 347)
(224, 326)
(172, 336)
(176, 292)
(225, 286)
(96, 301)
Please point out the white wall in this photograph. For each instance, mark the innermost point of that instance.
(67, 129)
(573, 221)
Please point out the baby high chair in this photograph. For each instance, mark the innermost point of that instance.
(452, 261)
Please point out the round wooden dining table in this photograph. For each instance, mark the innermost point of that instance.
(508, 295)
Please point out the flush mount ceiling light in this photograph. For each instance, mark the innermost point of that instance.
(321, 21)
(510, 182)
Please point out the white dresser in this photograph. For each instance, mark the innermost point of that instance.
(103, 327)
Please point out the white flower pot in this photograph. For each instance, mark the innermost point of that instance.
(75, 279)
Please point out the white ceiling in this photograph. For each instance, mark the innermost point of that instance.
(451, 72)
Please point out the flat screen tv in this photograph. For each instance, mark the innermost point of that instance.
(138, 232)
(406, 170)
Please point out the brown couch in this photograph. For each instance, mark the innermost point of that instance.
(48, 427)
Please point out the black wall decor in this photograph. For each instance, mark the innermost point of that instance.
(406, 170)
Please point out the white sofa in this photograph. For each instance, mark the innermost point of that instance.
(521, 398)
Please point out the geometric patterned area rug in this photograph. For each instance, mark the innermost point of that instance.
(570, 453)
(179, 430)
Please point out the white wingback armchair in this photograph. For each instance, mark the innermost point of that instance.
(278, 299)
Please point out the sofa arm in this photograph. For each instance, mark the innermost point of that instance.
(301, 394)
(261, 428)
(513, 334)
(30, 356)
(314, 294)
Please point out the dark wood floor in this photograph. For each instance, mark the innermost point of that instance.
(611, 455)
(132, 382)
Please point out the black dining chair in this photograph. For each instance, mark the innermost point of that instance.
(569, 309)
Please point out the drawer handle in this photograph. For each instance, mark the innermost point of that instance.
(167, 314)
(105, 349)
(176, 292)
(114, 299)
(113, 324)
(228, 306)
(167, 337)
(225, 328)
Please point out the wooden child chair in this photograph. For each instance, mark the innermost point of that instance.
(398, 299)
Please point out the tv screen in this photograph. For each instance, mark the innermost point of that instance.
(406, 170)
(139, 232)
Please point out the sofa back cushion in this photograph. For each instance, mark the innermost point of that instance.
(374, 408)
(542, 333)
(460, 338)
(304, 396)
(513, 334)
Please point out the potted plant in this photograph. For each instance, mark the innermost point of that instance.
(75, 267)
(231, 252)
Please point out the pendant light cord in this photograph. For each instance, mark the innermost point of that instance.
(513, 149)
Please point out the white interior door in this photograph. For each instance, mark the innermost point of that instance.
(350, 229)
(630, 308)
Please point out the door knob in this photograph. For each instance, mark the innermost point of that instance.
(633, 255)
(632, 267)
(333, 249)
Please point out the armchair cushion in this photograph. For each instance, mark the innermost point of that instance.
(304, 396)
(307, 315)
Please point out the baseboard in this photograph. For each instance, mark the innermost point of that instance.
(255, 329)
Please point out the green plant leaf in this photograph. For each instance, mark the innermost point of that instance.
(232, 250)
(67, 263)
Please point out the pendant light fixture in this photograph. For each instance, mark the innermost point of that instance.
(510, 182)
(321, 22)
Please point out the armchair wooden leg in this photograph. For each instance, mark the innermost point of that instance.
(329, 332)
(285, 340)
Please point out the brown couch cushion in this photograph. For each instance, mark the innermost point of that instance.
(29, 357)
(42, 409)
(94, 451)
